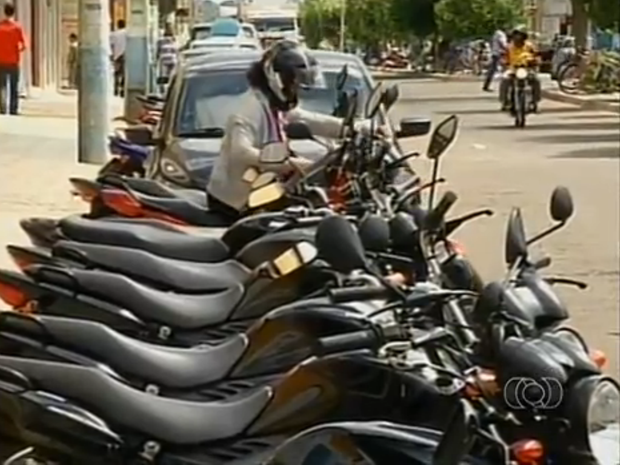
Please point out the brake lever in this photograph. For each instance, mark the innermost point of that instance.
(453, 225)
(568, 281)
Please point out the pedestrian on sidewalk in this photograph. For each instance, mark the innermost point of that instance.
(499, 45)
(73, 61)
(12, 44)
(118, 44)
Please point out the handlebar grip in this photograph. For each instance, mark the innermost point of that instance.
(437, 215)
(350, 294)
(364, 339)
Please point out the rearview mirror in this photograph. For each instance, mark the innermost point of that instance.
(561, 205)
(390, 96)
(442, 137)
(298, 130)
(265, 195)
(458, 438)
(273, 154)
(374, 101)
(339, 245)
(516, 242)
(341, 78)
(414, 127)
(291, 260)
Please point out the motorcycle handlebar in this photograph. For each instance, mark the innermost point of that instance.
(436, 216)
(364, 339)
(350, 294)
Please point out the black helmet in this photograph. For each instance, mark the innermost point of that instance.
(287, 67)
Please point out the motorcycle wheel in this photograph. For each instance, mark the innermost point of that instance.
(520, 108)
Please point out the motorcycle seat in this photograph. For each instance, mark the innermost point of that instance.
(171, 421)
(178, 311)
(162, 272)
(160, 240)
(157, 189)
(171, 367)
(183, 209)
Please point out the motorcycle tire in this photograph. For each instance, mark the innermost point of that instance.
(520, 108)
(566, 81)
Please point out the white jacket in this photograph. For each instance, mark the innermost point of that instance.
(246, 132)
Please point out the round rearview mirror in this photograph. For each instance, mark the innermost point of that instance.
(274, 153)
(561, 206)
(516, 241)
(442, 137)
(374, 101)
(390, 96)
(265, 195)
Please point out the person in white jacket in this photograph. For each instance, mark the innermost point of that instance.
(271, 102)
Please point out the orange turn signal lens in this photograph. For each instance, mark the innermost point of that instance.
(528, 452)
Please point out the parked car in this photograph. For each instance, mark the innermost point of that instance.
(223, 27)
(204, 92)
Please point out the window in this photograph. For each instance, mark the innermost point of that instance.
(203, 32)
(208, 99)
(274, 24)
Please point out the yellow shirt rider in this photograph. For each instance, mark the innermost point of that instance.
(520, 53)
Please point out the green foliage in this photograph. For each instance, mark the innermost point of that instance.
(414, 17)
(320, 21)
(369, 22)
(605, 13)
(458, 19)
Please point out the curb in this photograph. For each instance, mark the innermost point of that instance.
(392, 75)
(584, 103)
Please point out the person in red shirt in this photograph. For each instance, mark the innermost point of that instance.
(12, 44)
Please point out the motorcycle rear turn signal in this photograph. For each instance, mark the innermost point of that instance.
(528, 452)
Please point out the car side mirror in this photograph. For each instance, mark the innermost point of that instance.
(414, 127)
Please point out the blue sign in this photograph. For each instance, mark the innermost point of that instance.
(226, 27)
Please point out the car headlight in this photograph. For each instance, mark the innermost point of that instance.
(593, 409)
(521, 73)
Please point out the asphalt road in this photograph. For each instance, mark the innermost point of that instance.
(495, 165)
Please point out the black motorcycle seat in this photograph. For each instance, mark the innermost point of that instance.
(166, 273)
(183, 209)
(157, 189)
(178, 311)
(158, 240)
(171, 367)
(171, 421)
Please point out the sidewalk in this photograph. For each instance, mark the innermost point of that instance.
(595, 102)
(38, 153)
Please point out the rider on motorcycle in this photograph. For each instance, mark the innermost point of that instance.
(521, 53)
(272, 100)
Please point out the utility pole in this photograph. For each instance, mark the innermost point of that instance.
(94, 81)
(137, 56)
(343, 24)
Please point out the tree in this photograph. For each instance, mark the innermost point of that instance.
(605, 14)
(458, 19)
(320, 21)
(414, 17)
(369, 22)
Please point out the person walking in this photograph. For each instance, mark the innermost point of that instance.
(73, 61)
(118, 44)
(499, 44)
(12, 44)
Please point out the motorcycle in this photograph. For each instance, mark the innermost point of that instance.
(521, 95)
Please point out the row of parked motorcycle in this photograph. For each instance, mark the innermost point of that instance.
(337, 322)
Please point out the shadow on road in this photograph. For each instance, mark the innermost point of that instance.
(607, 153)
(572, 138)
(571, 126)
(612, 116)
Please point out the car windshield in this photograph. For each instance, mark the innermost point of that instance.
(273, 24)
(208, 99)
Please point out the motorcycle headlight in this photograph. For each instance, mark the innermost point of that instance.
(521, 73)
(594, 414)
(173, 172)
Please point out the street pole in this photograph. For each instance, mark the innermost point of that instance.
(94, 81)
(137, 57)
(343, 23)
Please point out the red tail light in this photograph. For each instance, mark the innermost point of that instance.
(127, 205)
(528, 452)
(13, 296)
(122, 203)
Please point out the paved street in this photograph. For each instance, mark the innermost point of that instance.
(492, 165)
(498, 166)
